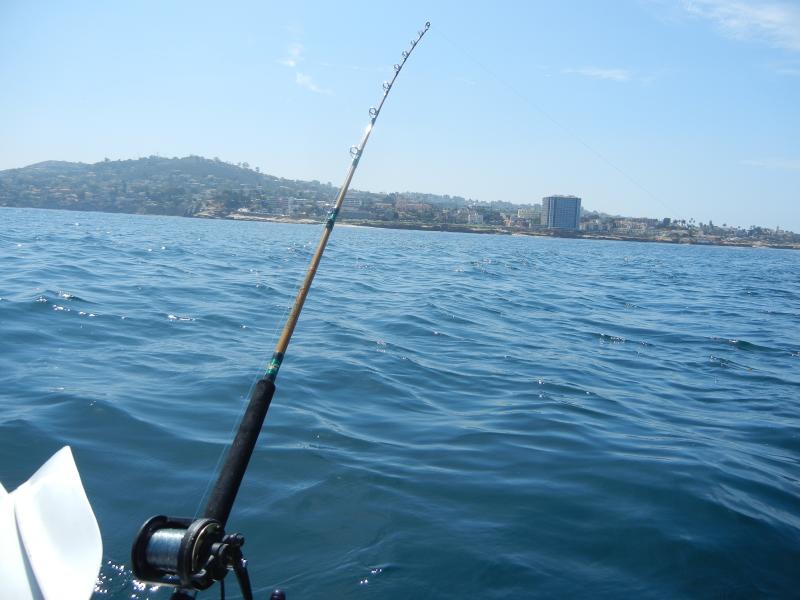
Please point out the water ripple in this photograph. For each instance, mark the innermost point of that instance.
(457, 415)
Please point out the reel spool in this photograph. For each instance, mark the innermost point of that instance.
(190, 554)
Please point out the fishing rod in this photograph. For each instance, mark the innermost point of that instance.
(192, 554)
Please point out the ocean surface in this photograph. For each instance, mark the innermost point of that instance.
(458, 416)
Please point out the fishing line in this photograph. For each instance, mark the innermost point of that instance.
(191, 554)
(236, 424)
(214, 473)
(557, 123)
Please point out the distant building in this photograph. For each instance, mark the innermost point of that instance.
(351, 202)
(474, 218)
(532, 213)
(561, 212)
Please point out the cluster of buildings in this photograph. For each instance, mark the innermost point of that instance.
(555, 212)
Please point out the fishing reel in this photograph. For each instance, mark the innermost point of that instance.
(190, 554)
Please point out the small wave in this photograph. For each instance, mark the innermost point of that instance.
(744, 345)
(606, 338)
(728, 363)
(172, 317)
(69, 296)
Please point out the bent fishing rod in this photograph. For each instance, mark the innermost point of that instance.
(192, 554)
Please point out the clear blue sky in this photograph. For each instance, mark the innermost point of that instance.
(642, 107)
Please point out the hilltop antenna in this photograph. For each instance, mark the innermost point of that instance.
(191, 554)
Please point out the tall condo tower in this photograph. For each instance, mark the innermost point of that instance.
(561, 212)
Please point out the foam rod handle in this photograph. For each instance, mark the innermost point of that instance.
(230, 478)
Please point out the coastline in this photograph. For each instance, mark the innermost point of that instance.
(501, 230)
(463, 228)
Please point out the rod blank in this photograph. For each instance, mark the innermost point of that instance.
(356, 152)
(230, 478)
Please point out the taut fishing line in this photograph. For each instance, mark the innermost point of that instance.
(191, 554)
(272, 337)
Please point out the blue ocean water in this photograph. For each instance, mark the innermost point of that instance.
(457, 416)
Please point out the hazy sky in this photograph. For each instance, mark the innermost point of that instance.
(683, 108)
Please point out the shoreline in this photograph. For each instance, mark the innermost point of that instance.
(501, 230)
(460, 228)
